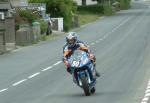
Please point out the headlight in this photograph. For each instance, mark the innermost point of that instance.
(85, 61)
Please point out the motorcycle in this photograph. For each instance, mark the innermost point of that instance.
(83, 71)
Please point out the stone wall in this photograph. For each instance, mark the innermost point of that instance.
(2, 42)
(10, 30)
(24, 36)
(2, 24)
(8, 27)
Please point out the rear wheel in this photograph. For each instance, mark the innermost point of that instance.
(85, 86)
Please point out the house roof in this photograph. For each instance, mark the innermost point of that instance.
(5, 6)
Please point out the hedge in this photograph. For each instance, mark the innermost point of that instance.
(93, 9)
(124, 4)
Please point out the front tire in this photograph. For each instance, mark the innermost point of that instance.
(85, 86)
(93, 90)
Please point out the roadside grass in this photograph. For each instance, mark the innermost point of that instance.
(52, 36)
(85, 18)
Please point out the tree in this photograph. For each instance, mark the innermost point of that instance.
(60, 8)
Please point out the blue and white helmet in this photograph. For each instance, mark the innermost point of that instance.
(71, 39)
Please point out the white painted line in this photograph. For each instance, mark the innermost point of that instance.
(145, 99)
(104, 37)
(3, 90)
(50, 67)
(92, 43)
(100, 39)
(149, 83)
(147, 94)
(147, 91)
(143, 102)
(57, 63)
(119, 26)
(148, 87)
(21, 81)
(34, 75)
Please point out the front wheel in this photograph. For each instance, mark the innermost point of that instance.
(93, 90)
(85, 86)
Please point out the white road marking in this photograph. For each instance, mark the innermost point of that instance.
(143, 102)
(3, 90)
(145, 99)
(149, 83)
(119, 26)
(147, 94)
(104, 37)
(147, 91)
(50, 67)
(148, 87)
(17, 83)
(57, 63)
(34, 75)
(100, 39)
(92, 43)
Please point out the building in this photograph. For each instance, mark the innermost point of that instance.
(4, 9)
(19, 3)
(88, 2)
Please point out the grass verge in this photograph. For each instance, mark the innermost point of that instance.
(87, 18)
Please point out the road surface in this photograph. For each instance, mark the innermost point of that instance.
(121, 43)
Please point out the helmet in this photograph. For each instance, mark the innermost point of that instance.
(71, 39)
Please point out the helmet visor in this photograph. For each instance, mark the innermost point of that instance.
(71, 41)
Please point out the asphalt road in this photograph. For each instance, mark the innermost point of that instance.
(121, 43)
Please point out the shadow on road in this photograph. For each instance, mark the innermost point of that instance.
(74, 95)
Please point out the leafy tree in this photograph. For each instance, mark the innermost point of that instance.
(60, 8)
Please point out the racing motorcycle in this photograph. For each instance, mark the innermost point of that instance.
(83, 72)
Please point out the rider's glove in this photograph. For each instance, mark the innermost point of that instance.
(67, 64)
(69, 70)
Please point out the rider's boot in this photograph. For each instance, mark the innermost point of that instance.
(97, 73)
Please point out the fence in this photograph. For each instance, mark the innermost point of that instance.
(28, 34)
(57, 24)
(2, 42)
(7, 29)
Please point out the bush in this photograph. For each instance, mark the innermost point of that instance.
(43, 26)
(27, 15)
(93, 9)
(108, 10)
(62, 8)
(124, 4)
(105, 9)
